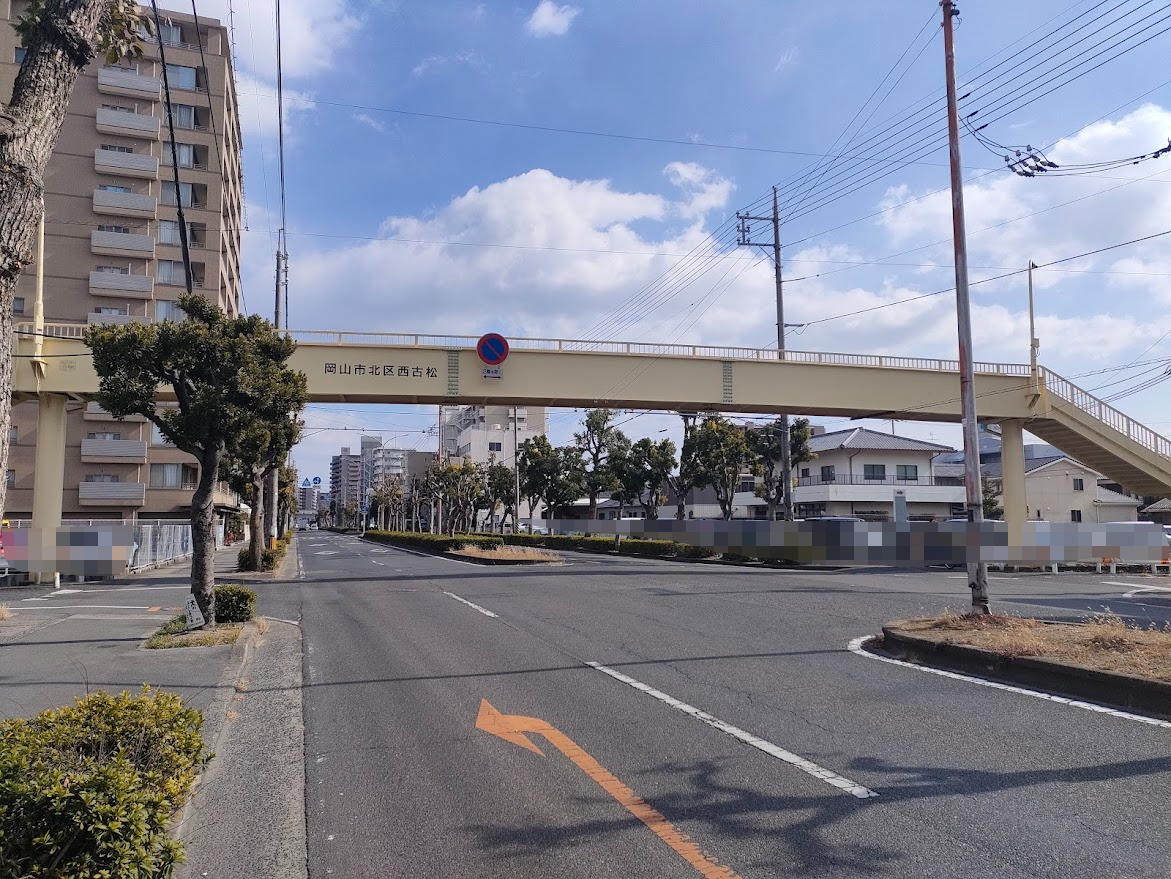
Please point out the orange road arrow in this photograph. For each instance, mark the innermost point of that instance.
(514, 727)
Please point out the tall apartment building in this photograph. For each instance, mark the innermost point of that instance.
(308, 497)
(112, 248)
(407, 464)
(345, 479)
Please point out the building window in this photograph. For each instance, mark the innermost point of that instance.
(1079, 485)
(908, 472)
(119, 107)
(1075, 515)
(19, 58)
(874, 471)
(747, 483)
(495, 447)
(103, 435)
(184, 116)
(157, 438)
(804, 472)
(113, 270)
(11, 478)
(171, 272)
(123, 230)
(111, 309)
(18, 305)
(828, 473)
(168, 196)
(166, 309)
(101, 477)
(171, 34)
(172, 476)
(117, 148)
(112, 187)
(181, 77)
(12, 434)
(185, 151)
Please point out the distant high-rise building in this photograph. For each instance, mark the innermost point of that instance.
(112, 251)
(308, 498)
(345, 479)
(484, 433)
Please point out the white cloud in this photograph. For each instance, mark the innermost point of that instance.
(369, 121)
(469, 58)
(551, 20)
(258, 107)
(788, 58)
(706, 190)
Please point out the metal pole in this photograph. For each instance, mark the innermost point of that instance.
(515, 474)
(786, 452)
(1034, 343)
(973, 492)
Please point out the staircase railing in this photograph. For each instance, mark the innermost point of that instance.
(1107, 414)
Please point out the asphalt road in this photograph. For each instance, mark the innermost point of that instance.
(400, 652)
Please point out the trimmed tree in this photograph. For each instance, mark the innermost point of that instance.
(597, 442)
(61, 38)
(656, 461)
(767, 444)
(689, 469)
(227, 374)
(723, 455)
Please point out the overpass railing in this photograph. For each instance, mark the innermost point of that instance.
(1107, 414)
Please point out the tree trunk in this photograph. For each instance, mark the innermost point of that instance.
(593, 505)
(57, 52)
(256, 524)
(203, 534)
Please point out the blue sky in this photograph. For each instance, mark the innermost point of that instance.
(774, 84)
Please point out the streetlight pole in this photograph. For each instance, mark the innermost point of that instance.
(515, 474)
(973, 490)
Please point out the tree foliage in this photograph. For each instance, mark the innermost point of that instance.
(229, 378)
(598, 441)
(723, 455)
(767, 445)
(121, 29)
(689, 467)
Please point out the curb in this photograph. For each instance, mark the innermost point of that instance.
(1108, 688)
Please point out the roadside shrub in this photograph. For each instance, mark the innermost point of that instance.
(234, 604)
(638, 546)
(88, 790)
(436, 543)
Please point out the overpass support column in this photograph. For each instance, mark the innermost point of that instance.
(49, 472)
(1012, 457)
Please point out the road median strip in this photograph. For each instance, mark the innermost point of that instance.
(1102, 661)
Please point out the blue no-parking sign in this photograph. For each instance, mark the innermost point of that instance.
(492, 349)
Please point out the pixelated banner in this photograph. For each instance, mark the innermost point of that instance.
(891, 543)
(80, 552)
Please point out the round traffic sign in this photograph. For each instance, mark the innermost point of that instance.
(492, 349)
(317, 480)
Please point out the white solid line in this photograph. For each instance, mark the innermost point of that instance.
(280, 620)
(818, 772)
(856, 647)
(96, 606)
(1138, 586)
(482, 610)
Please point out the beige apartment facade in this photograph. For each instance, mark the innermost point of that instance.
(112, 248)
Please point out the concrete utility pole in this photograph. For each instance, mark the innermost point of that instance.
(271, 520)
(746, 241)
(515, 475)
(973, 490)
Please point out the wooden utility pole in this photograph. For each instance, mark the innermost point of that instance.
(746, 241)
(973, 491)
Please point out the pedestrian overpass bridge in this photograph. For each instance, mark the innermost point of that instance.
(423, 369)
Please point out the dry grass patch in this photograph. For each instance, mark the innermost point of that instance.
(509, 554)
(175, 634)
(1104, 642)
(5, 613)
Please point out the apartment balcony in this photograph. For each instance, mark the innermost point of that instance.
(127, 124)
(107, 451)
(124, 286)
(122, 244)
(120, 81)
(926, 489)
(93, 318)
(126, 164)
(94, 412)
(111, 494)
(125, 204)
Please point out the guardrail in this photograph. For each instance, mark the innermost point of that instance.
(846, 479)
(1107, 414)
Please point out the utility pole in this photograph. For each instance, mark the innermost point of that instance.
(515, 475)
(973, 490)
(745, 240)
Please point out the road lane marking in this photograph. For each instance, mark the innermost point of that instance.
(818, 772)
(855, 646)
(1137, 586)
(513, 727)
(93, 606)
(154, 609)
(482, 610)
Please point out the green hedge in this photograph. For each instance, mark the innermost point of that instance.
(88, 791)
(604, 543)
(436, 543)
(234, 604)
(269, 558)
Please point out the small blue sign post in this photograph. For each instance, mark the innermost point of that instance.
(317, 480)
(492, 349)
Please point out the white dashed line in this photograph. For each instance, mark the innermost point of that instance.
(482, 610)
(856, 647)
(818, 772)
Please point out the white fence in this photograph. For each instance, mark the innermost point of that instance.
(160, 544)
